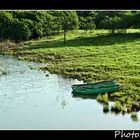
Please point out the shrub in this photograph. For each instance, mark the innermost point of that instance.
(19, 30)
(117, 107)
(134, 117)
(105, 107)
(103, 98)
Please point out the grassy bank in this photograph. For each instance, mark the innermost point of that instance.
(94, 57)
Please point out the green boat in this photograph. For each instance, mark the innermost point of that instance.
(96, 88)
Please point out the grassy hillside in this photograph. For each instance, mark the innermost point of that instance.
(94, 57)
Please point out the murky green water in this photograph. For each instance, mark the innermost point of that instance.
(31, 100)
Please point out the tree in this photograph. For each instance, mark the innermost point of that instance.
(67, 20)
(19, 30)
(117, 24)
(6, 20)
(111, 23)
(87, 24)
(48, 23)
(86, 20)
(135, 20)
(103, 16)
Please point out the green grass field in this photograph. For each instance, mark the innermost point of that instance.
(94, 57)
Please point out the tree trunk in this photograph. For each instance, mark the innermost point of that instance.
(86, 32)
(64, 37)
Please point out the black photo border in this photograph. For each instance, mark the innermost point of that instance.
(69, 4)
(65, 5)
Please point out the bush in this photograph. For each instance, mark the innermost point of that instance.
(37, 30)
(6, 20)
(105, 107)
(19, 31)
(117, 107)
(103, 98)
(134, 117)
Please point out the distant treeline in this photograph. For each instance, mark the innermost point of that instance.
(25, 25)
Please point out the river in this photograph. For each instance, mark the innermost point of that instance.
(31, 100)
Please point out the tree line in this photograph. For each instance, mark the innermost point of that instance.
(19, 26)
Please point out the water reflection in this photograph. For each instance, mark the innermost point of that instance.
(63, 103)
(61, 100)
(134, 117)
(66, 83)
(84, 96)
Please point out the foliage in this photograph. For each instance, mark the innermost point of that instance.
(45, 23)
(134, 117)
(87, 23)
(20, 30)
(6, 20)
(105, 107)
(117, 107)
(67, 20)
(102, 98)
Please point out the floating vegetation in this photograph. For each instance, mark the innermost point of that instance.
(31, 67)
(105, 108)
(47, 74)
(2, 72)
(102, 98)
(134, 117)
(117, 107)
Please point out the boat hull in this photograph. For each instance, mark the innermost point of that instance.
(95, 88)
